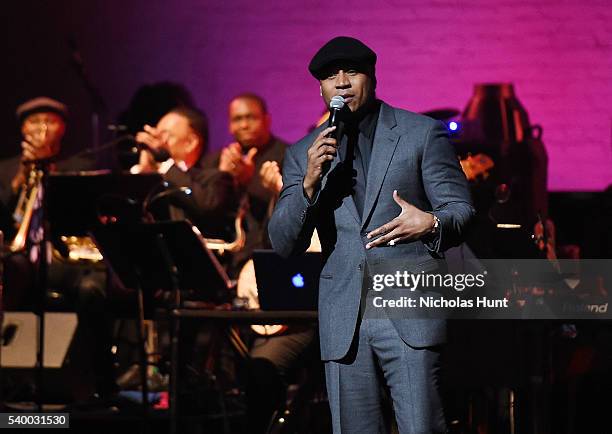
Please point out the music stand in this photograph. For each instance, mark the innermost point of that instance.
(166, 256)
(70, 206)
(76, 200)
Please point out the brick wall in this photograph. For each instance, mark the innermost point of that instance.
(558, 54)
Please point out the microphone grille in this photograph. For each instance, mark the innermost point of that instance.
(336, 103)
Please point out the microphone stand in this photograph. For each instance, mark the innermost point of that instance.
(42, 283)
(160, 155)
(99, 148)
(98, 104)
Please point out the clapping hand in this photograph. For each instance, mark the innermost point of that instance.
(241, 167)
(271, 177)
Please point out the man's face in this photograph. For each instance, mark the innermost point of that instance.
(350, 82)
(248, 123)
(44, 131)
(178, 136)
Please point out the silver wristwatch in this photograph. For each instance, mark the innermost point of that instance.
(436, 226)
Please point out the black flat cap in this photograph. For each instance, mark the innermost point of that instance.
(41, 104)
(341, 48)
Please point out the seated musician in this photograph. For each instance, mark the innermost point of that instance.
(42, 123)
(179, 140)
(249, 124)
(278, 348)
(254, 160)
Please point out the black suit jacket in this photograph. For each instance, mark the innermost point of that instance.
(259, 199)
(212, 194)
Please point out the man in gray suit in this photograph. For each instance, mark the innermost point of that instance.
(389, 188)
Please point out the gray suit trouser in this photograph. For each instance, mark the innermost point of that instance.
(378, 354)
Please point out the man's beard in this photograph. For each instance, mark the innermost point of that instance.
(350, 117)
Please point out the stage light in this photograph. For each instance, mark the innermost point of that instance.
(453, 126)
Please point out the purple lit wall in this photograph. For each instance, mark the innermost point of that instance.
(558, 54)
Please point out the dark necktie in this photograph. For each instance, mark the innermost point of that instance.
(360, 166)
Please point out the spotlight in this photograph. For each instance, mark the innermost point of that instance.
(453, 126)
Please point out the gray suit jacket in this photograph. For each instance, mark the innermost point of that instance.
(411, 154)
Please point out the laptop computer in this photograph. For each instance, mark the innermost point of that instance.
(287, 284)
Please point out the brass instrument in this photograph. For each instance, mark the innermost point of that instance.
(239, 241)
(29, 190)
(80, 249)
(215, 244)
(25, 208)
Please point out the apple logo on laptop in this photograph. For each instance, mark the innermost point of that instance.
(298, 280)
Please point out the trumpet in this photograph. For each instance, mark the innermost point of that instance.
(25, 208)
(37, 136)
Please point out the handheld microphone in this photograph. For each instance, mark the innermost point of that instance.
(335, 105)
(160, 154)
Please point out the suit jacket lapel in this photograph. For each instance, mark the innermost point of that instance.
(385, 143)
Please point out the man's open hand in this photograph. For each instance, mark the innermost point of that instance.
(410, 224)
(241, 167)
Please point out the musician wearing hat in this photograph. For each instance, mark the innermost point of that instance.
(42, 122)
(383, 185)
